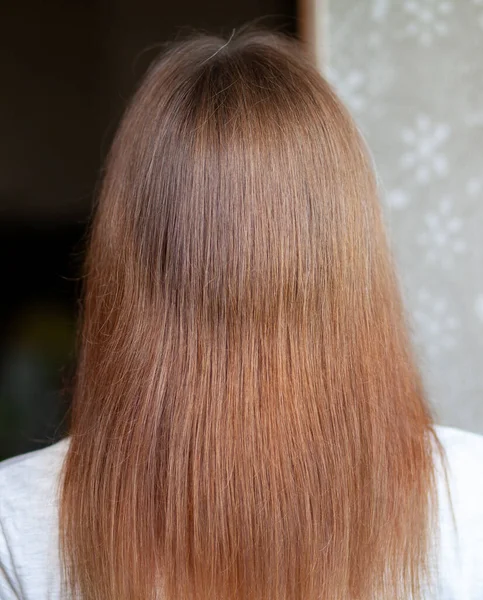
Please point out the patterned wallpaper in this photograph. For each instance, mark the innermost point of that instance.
(411, 72)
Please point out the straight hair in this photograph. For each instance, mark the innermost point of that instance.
(248, 420)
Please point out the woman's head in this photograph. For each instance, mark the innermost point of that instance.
(237, 181)
(248, 422)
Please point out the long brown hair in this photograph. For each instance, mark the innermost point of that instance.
(248, 422)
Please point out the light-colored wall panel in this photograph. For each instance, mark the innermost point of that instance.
(411, 72)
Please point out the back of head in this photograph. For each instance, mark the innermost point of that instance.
(248, 421)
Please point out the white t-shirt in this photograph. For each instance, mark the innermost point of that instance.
(29, 563)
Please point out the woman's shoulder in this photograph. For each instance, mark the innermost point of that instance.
(36, 458)
(460, 496)
(463, 460)
(31, 472)
(459, 440)
(463, 454)
(29, 486)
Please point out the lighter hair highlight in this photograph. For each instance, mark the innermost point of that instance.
(248, 419)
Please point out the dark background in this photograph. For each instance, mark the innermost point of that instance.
(68, 69)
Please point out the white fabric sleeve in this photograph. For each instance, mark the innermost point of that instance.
(9, 589)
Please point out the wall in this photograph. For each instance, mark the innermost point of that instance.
(411, 71)
(68, 71)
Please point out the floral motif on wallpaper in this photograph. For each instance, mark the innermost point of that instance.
(428, 19)
(443, 238)
(424, 154)
(411, 73)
